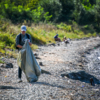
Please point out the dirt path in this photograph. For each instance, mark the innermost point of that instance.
(55, 83)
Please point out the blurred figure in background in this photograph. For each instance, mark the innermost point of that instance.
(56, 38)
(65, 40)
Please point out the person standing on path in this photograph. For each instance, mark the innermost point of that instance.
(20, 40)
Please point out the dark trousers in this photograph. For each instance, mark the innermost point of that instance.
(19, 72)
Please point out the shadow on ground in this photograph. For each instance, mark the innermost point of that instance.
(82, 76)
(48, 84)
(7, 87)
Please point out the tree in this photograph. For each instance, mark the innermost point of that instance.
(67, 10)
(53, 7)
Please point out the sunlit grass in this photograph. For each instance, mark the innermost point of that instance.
(41, 34)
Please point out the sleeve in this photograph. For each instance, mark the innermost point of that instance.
(30, 38)
(55, 36)
(17, 40)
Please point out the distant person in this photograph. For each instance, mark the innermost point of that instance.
(56, 38)
(65, 40)
(20, 40)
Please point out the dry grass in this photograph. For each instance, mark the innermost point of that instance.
(41, 33)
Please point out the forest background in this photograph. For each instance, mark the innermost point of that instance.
(44, 18)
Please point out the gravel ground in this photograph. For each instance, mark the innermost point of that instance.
(78, 55)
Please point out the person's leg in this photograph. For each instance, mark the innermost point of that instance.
(59, 39)
(19, 74)
(56, 39)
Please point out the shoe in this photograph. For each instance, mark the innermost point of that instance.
(19, 80)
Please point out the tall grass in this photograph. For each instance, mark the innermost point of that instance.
(41, 33)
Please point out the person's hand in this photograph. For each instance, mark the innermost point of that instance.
(30, 43)
(28, 40)
(19, 46)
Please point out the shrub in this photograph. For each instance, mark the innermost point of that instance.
(6, 40)
(54, 8)
(39, 15)
(17, 14)
(94, 34)
(64, 27)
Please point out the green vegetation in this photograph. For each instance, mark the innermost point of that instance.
(2, 61)
(45, 18)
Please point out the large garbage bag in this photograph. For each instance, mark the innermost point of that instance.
(27, 62)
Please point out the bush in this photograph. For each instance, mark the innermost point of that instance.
(54, 8)
(6, 40)
(18, 14)
(64, 27)
(39, 15)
